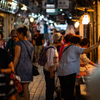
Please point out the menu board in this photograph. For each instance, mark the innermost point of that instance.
(1, 23)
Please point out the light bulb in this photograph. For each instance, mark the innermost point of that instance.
(31, 19)
(76, 24)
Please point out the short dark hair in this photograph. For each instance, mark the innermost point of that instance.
(68, 37)
(1, 35)
(75, 39)
(84, 41)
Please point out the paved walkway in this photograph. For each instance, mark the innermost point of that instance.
(37, 87)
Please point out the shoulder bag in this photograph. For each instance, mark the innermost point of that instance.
(35, 68)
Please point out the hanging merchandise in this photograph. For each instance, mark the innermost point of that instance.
(70, 29)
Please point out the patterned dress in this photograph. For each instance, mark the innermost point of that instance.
(24, 65)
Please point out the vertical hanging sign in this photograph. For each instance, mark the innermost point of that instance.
(63, 4)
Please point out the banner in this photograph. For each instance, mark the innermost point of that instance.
(63, 4)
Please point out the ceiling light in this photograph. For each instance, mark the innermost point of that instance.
(63, 14)
(31, 19)
(61, 9)
(70, 17)
(76, 24)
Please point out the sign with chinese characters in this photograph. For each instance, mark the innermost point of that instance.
(63, 4)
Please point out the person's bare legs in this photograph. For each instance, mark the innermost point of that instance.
(26, 91)
(37, 57)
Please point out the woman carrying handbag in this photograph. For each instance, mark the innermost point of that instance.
(22, 63)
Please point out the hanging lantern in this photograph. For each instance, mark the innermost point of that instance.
(86, 19)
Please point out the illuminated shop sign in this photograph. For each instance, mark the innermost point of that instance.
(11, 7)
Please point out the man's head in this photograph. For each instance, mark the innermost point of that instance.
(37, 32)
(14, 34)
(75, 39)
(68, 37)
(85, 42)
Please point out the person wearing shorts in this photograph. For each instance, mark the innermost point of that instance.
(38, 41)
(38, 49)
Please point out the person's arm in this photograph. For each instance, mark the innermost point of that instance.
(33, 42)
(50, 56)
(8, 70)
(87, 50)
(43, 42)
(51, 72)
(92, 63)
(17, 54)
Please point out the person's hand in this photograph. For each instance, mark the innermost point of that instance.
(51, 72)
(51, 75)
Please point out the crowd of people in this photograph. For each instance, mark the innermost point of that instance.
(65, 55)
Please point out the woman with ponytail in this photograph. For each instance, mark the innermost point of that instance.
(22, 61)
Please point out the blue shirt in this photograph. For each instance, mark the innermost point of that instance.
(45, 28)
(70, 61)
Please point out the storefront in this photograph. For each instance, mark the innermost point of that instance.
(7, 11)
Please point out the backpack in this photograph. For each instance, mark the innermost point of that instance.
(43, 58)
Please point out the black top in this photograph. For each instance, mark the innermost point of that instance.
(38, 40)
(6, 89)
(5, 58)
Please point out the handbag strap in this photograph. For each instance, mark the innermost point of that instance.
(66, 48)
(27, 49)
